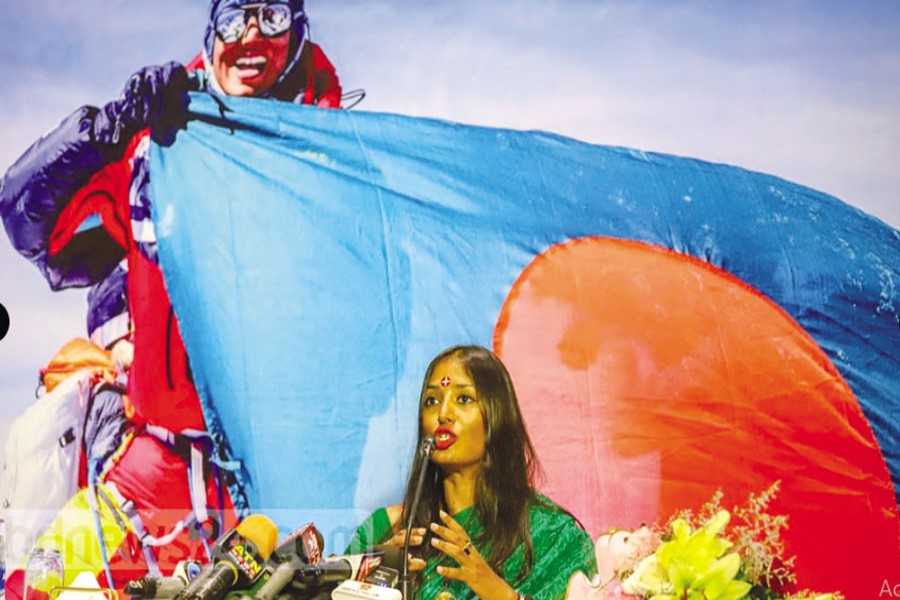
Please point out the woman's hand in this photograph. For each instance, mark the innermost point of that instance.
(415, 539)
(473, 569)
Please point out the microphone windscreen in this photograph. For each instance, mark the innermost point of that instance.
(260, 530)
(305, 543)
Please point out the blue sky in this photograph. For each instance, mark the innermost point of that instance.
(808, 90)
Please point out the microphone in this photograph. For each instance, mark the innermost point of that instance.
(164, 587)
(301, 547)
(238, 558)
(380, 584)
(406, 584)
(375, 565)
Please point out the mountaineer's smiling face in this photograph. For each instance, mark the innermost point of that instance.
(252, 64)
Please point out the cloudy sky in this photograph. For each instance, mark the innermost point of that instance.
(808, 90)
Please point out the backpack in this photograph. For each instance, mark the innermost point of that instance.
(43, 459)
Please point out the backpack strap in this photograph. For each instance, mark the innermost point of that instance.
(199, 450)
(93, 496)
(120, 505)
(195, 447)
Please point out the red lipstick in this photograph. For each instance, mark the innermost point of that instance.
(443, 438)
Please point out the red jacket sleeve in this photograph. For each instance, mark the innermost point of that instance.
(324, 87)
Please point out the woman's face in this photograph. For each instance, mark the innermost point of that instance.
(251, 65)
(451, 412)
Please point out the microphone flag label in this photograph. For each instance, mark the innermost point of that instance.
(369, 563)
(244, 555)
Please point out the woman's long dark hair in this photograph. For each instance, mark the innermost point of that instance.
(503, 494)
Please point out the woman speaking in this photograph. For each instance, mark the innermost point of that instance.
(481, 528)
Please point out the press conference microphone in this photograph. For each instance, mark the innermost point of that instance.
(238, 559)
(357, 567)
(302, 547)
(164, 587)
(379, 584)
(426, 448)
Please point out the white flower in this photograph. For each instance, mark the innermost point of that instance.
(648, 579)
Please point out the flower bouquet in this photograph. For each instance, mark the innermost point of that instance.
(698, 557)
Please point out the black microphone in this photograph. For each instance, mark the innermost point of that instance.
(379, 584)
(425, 450)
(164, 587)
(302, 547)
(238, 559)
(374, 565)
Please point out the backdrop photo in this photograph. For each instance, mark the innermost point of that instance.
(674, 326)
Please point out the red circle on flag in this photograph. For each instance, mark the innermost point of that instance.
(650, 379)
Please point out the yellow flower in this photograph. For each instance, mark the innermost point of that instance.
(692, 565)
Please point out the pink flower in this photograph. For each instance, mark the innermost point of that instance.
(614, 591)
(618, 552)
(581, 588)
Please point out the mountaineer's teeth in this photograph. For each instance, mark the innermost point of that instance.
(250, 61)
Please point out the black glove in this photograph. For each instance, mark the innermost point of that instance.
(154, 97)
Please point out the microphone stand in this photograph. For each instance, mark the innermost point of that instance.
(406, 584)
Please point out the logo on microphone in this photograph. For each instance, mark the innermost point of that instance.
(245, 559)
(4, 321)
(313, 551)
(369, 563)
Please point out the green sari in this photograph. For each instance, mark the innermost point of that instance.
(561, 547)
